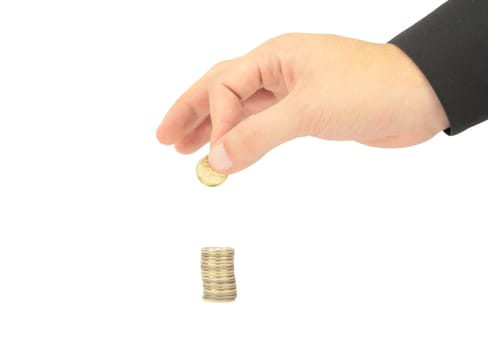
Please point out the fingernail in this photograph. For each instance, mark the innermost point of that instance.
(219, 159)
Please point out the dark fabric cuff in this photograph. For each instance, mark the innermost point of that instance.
(450, 46)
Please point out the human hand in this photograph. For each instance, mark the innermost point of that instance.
(326, 86)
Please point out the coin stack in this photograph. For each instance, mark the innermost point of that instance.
(219, 283)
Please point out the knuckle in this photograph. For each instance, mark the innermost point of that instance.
(219, 66)
(285, 37)
(214, 81)
(216, 73)
(279, 43)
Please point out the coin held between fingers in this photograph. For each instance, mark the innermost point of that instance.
(207, 175)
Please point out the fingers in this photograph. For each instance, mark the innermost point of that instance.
(200, 135)
(222, 99)
(189, 111)
(230, 91)
(247, 142)
(227, 91)
(261, 100)
(195, 139)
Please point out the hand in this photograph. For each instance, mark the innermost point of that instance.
(295, 85)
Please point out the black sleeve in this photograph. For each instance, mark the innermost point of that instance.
(450, 46)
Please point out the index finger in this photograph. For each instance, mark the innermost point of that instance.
(228, 90)
(189, 111)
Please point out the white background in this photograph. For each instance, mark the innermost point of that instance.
(338, 245)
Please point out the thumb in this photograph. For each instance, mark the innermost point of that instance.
(249, 140)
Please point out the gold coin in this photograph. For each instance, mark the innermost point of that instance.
(219, 300)
(217, 267)
(217, 250)
(207, 175)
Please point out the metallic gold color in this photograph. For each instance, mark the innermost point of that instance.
(219, 283)
(207, 175)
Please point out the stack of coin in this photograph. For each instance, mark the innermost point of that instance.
(219, 283)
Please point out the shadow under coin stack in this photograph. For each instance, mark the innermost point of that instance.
(219, 283)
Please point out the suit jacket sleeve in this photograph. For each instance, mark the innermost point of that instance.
(450, 46)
